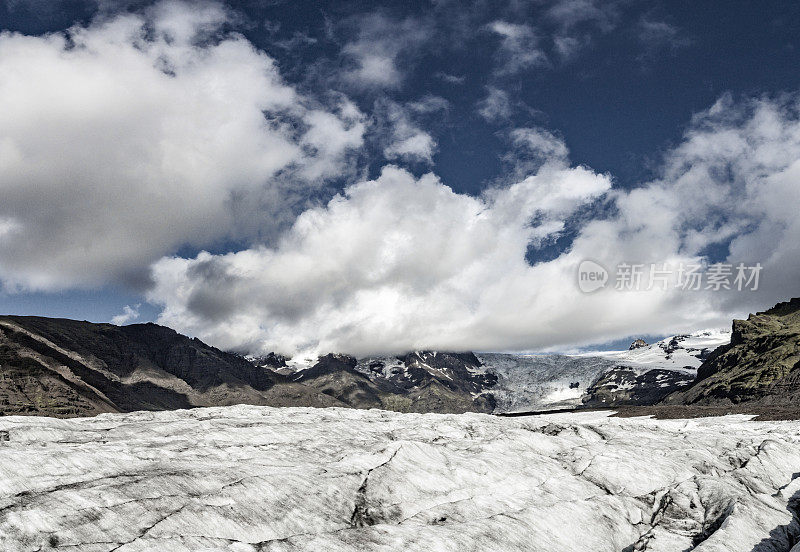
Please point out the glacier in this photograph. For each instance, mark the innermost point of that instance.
(531, 382)
(246, 478)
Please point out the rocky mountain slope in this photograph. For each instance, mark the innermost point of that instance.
(59, 367)
(438, 381)
(62, 368)
(646, 374)
(70, 368)
(257, 479)
(641, 375)
(761, 365)
(505, 383)
(416, 382)
(679, 352)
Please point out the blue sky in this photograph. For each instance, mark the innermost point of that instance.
(619, 101)
(482, 95)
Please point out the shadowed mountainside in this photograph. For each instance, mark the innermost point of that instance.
(60, 367)
(63, 368)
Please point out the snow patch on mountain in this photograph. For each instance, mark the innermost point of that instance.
(683, 352)
(525, 382)
(553, 381)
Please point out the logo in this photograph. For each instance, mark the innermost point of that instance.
(591, 276)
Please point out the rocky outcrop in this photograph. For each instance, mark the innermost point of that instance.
(273, 361)
(422, 381)
(65, 368)
(326, 365)
(625, 386)
(639, 343)
(645, 374)
(678, 343)
(462, 372)
(760, 365)
(334, 375)
(28, 387)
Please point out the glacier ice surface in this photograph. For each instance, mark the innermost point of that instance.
(247, 478)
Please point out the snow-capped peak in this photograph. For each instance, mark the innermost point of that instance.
(679, 352)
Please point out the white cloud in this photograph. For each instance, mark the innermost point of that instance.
(496, 106)
(572, 13)
(654, 31)
(538, 145)
(402, 263)
(567, 46)
(532, 148)
(429, 104)
(393, 264)
(519, 47)
(450, 79)
(376, 52)
(128, 314)
(735, 178)
(404, 139)
(417, 145)
(656, 35)
(578, 21)
(141, 133)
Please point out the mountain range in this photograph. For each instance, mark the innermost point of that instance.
(67, 368)
(63, 368)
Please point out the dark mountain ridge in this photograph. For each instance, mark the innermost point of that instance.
(115, 368)
(761, 365)
(61, 367)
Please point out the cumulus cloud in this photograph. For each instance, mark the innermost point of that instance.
(128, 314)
(392, 264)
(403, 263)
(534, 147)
(734, 181)
(145, 133)
(403, 137)
(140, 133)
